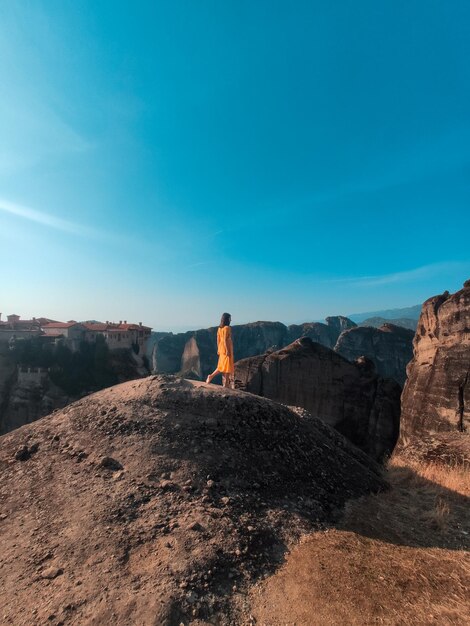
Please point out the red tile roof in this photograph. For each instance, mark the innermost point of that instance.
(134, 327)
(45, 320)
(95, 327)
(61, 325)
(101, 327)
(18, 323)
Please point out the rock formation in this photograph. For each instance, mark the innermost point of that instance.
(7, 378)
(437, 392)
(160, 501)
(348, 396)
(389, 347)
(29, 392)
(27, 401)
(338, 324)
(194, 353)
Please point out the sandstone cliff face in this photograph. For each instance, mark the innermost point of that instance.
(165, 351)
(194, 353)
(7, 379)
(390, 347)
(26, 397)
(325, 334)
(437, 392)
(339, 323)
(348, 396)
(27, 402)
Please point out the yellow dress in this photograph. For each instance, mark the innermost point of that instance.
(226, 363)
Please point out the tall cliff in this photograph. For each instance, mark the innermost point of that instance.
(437, 393)
(194, 353)
(390, 347)
(36, 378)
(348, 396)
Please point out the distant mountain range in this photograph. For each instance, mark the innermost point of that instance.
(402, 317)
(377, 322)
(411, 312)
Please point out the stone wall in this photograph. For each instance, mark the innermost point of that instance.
(32, 375)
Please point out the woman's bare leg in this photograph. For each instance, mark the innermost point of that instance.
(226, 380)
(211, 376)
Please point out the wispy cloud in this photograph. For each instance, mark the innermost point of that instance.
(407, 276)
(46, 219)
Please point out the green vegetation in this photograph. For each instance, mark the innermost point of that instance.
(88, 369)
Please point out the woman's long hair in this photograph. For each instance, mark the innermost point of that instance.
(225, 320)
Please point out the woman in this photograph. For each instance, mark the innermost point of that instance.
(225, 366)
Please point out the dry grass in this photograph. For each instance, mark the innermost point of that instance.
(440, 516)
(453, 474)
(396, 558)
(427, 505)
(438, 486)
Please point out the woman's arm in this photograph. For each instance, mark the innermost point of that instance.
(228, 341)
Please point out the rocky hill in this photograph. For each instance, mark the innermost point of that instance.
(194, 353)
(348, 396)
(437, 393)
(389, 347)
(160, 501)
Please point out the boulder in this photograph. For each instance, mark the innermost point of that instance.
(436, 396)
(348, 396)
(390, 347)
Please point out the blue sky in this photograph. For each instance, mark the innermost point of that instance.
(166, 161)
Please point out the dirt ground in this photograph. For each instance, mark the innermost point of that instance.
(397, 558)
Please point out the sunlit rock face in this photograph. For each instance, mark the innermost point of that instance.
(351, 397)
(437, 393)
